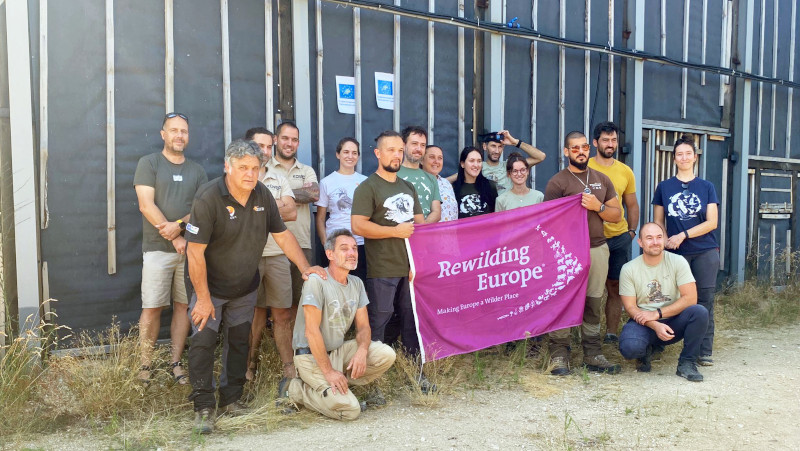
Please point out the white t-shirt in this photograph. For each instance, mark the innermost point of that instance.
(336, 195)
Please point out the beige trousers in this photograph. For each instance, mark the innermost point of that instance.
(312, 390)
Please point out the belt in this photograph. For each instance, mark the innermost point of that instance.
(302, 351)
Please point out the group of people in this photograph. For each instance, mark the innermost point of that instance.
(244, 239)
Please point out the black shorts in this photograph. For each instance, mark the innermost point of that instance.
(619, 248)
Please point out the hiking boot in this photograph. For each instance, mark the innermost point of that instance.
(283, 388)
(688, 369)
(282, 402)
(374, 398)
(559, 366)
(643, 364)
(611, 338)
(599, 364)
(204, 420)
(425, 386)
(705, 360)
(235, 409)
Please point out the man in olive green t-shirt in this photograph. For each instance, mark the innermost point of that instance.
(659, 293)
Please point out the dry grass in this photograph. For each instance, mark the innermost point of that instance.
(757, 304)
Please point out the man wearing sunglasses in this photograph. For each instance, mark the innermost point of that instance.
(165, 184)
(600, 201)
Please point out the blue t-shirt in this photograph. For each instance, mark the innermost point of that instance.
(684, 211)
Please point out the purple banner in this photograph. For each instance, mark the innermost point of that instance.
(500, 277)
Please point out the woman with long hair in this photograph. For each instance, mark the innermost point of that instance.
(687, 206)
(336, 197)
(475, 194)
(519, 195)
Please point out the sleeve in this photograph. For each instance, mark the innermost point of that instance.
(552, 190)
(363, 201)
(657, 196)
(630, 188)
(145, 173)
(312, 292)
(712, 194)
(203, 179)
(610, 193)
(274, 222)
(437, 195)
(500, 205)
(626, 285)
(683, 272)
(417, 205)
(363, 300)
(201, 222)
(286, 189)
(323, 193)
(310, 176)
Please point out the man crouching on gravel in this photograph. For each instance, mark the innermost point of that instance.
(659, 293)
(326, 362)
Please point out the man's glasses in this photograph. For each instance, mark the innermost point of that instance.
(685, 187)
(174, 114)
(519, 171)
(582, 147)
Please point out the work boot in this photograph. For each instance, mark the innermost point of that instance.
(559, 366)
(688, 369)
(204, 420)
(611, 338)
(599, 364)
(705, 360)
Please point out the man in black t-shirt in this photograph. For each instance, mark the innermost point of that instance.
(230, 220)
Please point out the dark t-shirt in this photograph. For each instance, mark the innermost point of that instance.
(470, 203)
(235, 235)
(387, 204)
(684, 211)
(175, 186)
(565, 183)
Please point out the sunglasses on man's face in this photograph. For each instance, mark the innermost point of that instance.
(582, 147)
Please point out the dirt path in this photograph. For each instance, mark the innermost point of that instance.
(750, 399)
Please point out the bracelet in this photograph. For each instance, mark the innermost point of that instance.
(632, 230)
(686, 233)
(660, 315)
(519, 142)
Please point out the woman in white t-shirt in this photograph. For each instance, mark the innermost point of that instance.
(336, 198)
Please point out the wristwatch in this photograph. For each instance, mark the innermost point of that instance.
(602, 208)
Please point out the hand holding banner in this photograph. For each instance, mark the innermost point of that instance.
(500, 277)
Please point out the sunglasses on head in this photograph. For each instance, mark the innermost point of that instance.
(174, 114)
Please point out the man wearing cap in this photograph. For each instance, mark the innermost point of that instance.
(327, 363)
(230, 220)
(415, 139)
(494, 167)
(165, 184)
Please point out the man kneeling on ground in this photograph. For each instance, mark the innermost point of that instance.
(659, 293)
(325, 362)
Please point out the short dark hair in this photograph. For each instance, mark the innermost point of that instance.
(513, 158)
(174, 114)
(330, 242)
(686, 138)
(249, 134)
(286, 124)
(387, 134)
(345, 140)
(413, 130)
(572, 135)
(604, 127)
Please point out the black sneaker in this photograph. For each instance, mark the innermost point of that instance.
(643, 364)
(204, 421)
(611, 338)
(688, 370)
(705, 360)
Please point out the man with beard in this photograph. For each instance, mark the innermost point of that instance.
(619, 235)
(600, 201)
(660, 295)
(325, 362)
(494, 166)
(385, 209)
(415, 139)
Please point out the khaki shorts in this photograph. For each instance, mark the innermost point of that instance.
(163, 279)
(598, 271)
(275, 286)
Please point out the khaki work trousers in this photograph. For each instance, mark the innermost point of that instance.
(312, 390)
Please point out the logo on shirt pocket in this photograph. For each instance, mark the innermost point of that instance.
(193, 229)
(231, 212)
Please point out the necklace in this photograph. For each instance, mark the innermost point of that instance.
(586, 188)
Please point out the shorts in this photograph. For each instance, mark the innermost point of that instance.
(274, 289)
(598, 271)
(619, 248)
(162, 279)
(297, 278)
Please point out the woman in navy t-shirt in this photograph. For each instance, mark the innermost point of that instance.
(688, 207)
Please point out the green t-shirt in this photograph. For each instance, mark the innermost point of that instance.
(510, 201)
(425, 184)
(387, 204)
(175, 186)
(498, 175)
(338, 304)
(655, 286)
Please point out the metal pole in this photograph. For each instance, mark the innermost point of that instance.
(226, 72)
(44, 153)
(320, 102)
(111, 192)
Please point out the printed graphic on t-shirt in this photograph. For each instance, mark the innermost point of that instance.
(400, 208)
(654, 295)
(684, 207)
(339, 313)
(343, 201)
(472, 204)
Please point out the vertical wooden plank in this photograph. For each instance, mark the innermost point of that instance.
(320, 103)
(268, 76)
(357, 74)
(611, 61)
(587, 65)
(775, 8)
(534, 80)
(44, 145)
(562, 29)
(226, 72)
(431, 65)
(169, 57)
(502, 110)
(461, 92)
(760, 110)
(704, 41)
(790, 95)
(111, 214)
(396, 69)
(685, 71)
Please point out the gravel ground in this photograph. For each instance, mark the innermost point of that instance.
(750, 399)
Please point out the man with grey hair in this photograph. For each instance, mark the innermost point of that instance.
(231, 218)
(325, 362)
